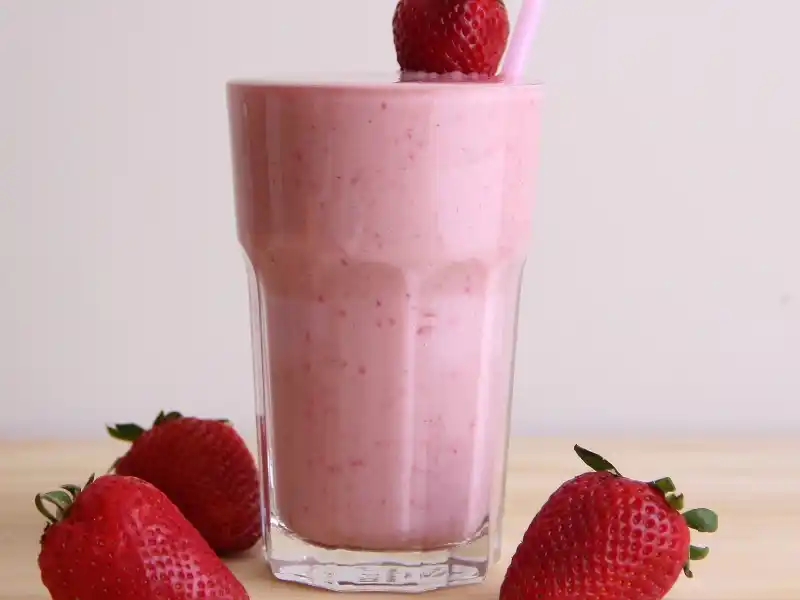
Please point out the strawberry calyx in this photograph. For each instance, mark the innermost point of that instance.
(702, 520)
(595, 461)
(130, 432)
(61, 501)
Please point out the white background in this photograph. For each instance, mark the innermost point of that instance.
(663, 289)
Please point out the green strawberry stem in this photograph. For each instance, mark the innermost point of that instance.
(61, 499)
(702, 520)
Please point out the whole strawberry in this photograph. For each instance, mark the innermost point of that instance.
(120, 538)
(450, 36)
(205, 468)
(606, 537)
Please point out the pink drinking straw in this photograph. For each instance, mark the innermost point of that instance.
(521, 40)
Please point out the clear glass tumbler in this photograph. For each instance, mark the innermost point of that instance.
(385, 226)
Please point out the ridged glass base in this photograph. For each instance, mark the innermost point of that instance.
(293, 559)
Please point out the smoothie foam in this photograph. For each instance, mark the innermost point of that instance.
(386, 227)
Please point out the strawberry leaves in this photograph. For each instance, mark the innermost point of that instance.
(702, 520)
(125, 432)
(130, 432)
(665, 484)
(61, 499)
(595, 461)
(166, 417)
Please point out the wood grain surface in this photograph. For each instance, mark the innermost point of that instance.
(754, 485)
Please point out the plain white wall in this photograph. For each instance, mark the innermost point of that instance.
(663, 290)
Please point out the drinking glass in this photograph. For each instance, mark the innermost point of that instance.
(385, 226)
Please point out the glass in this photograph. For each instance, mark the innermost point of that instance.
(385, 227)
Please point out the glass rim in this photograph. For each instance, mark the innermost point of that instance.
(368, 81)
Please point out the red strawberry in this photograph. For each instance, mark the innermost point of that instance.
(122, 539)
(606, 537)
(450, 36)
(205, 468)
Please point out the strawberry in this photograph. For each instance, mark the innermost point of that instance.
(120, 538)
(450, 36)
(205, 468)
(606, 537)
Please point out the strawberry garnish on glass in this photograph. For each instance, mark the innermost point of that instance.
(451, 36)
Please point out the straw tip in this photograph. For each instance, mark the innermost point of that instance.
(522, 39)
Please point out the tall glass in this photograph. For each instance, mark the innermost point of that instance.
(385, 227)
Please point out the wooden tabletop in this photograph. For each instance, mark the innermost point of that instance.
(754, 485)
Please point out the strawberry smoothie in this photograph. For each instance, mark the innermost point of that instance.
(386, 226)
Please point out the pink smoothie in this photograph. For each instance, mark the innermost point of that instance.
(386, 226)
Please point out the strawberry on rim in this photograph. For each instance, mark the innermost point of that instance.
(451, 36)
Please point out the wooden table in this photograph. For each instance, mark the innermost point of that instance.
(754, 485)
